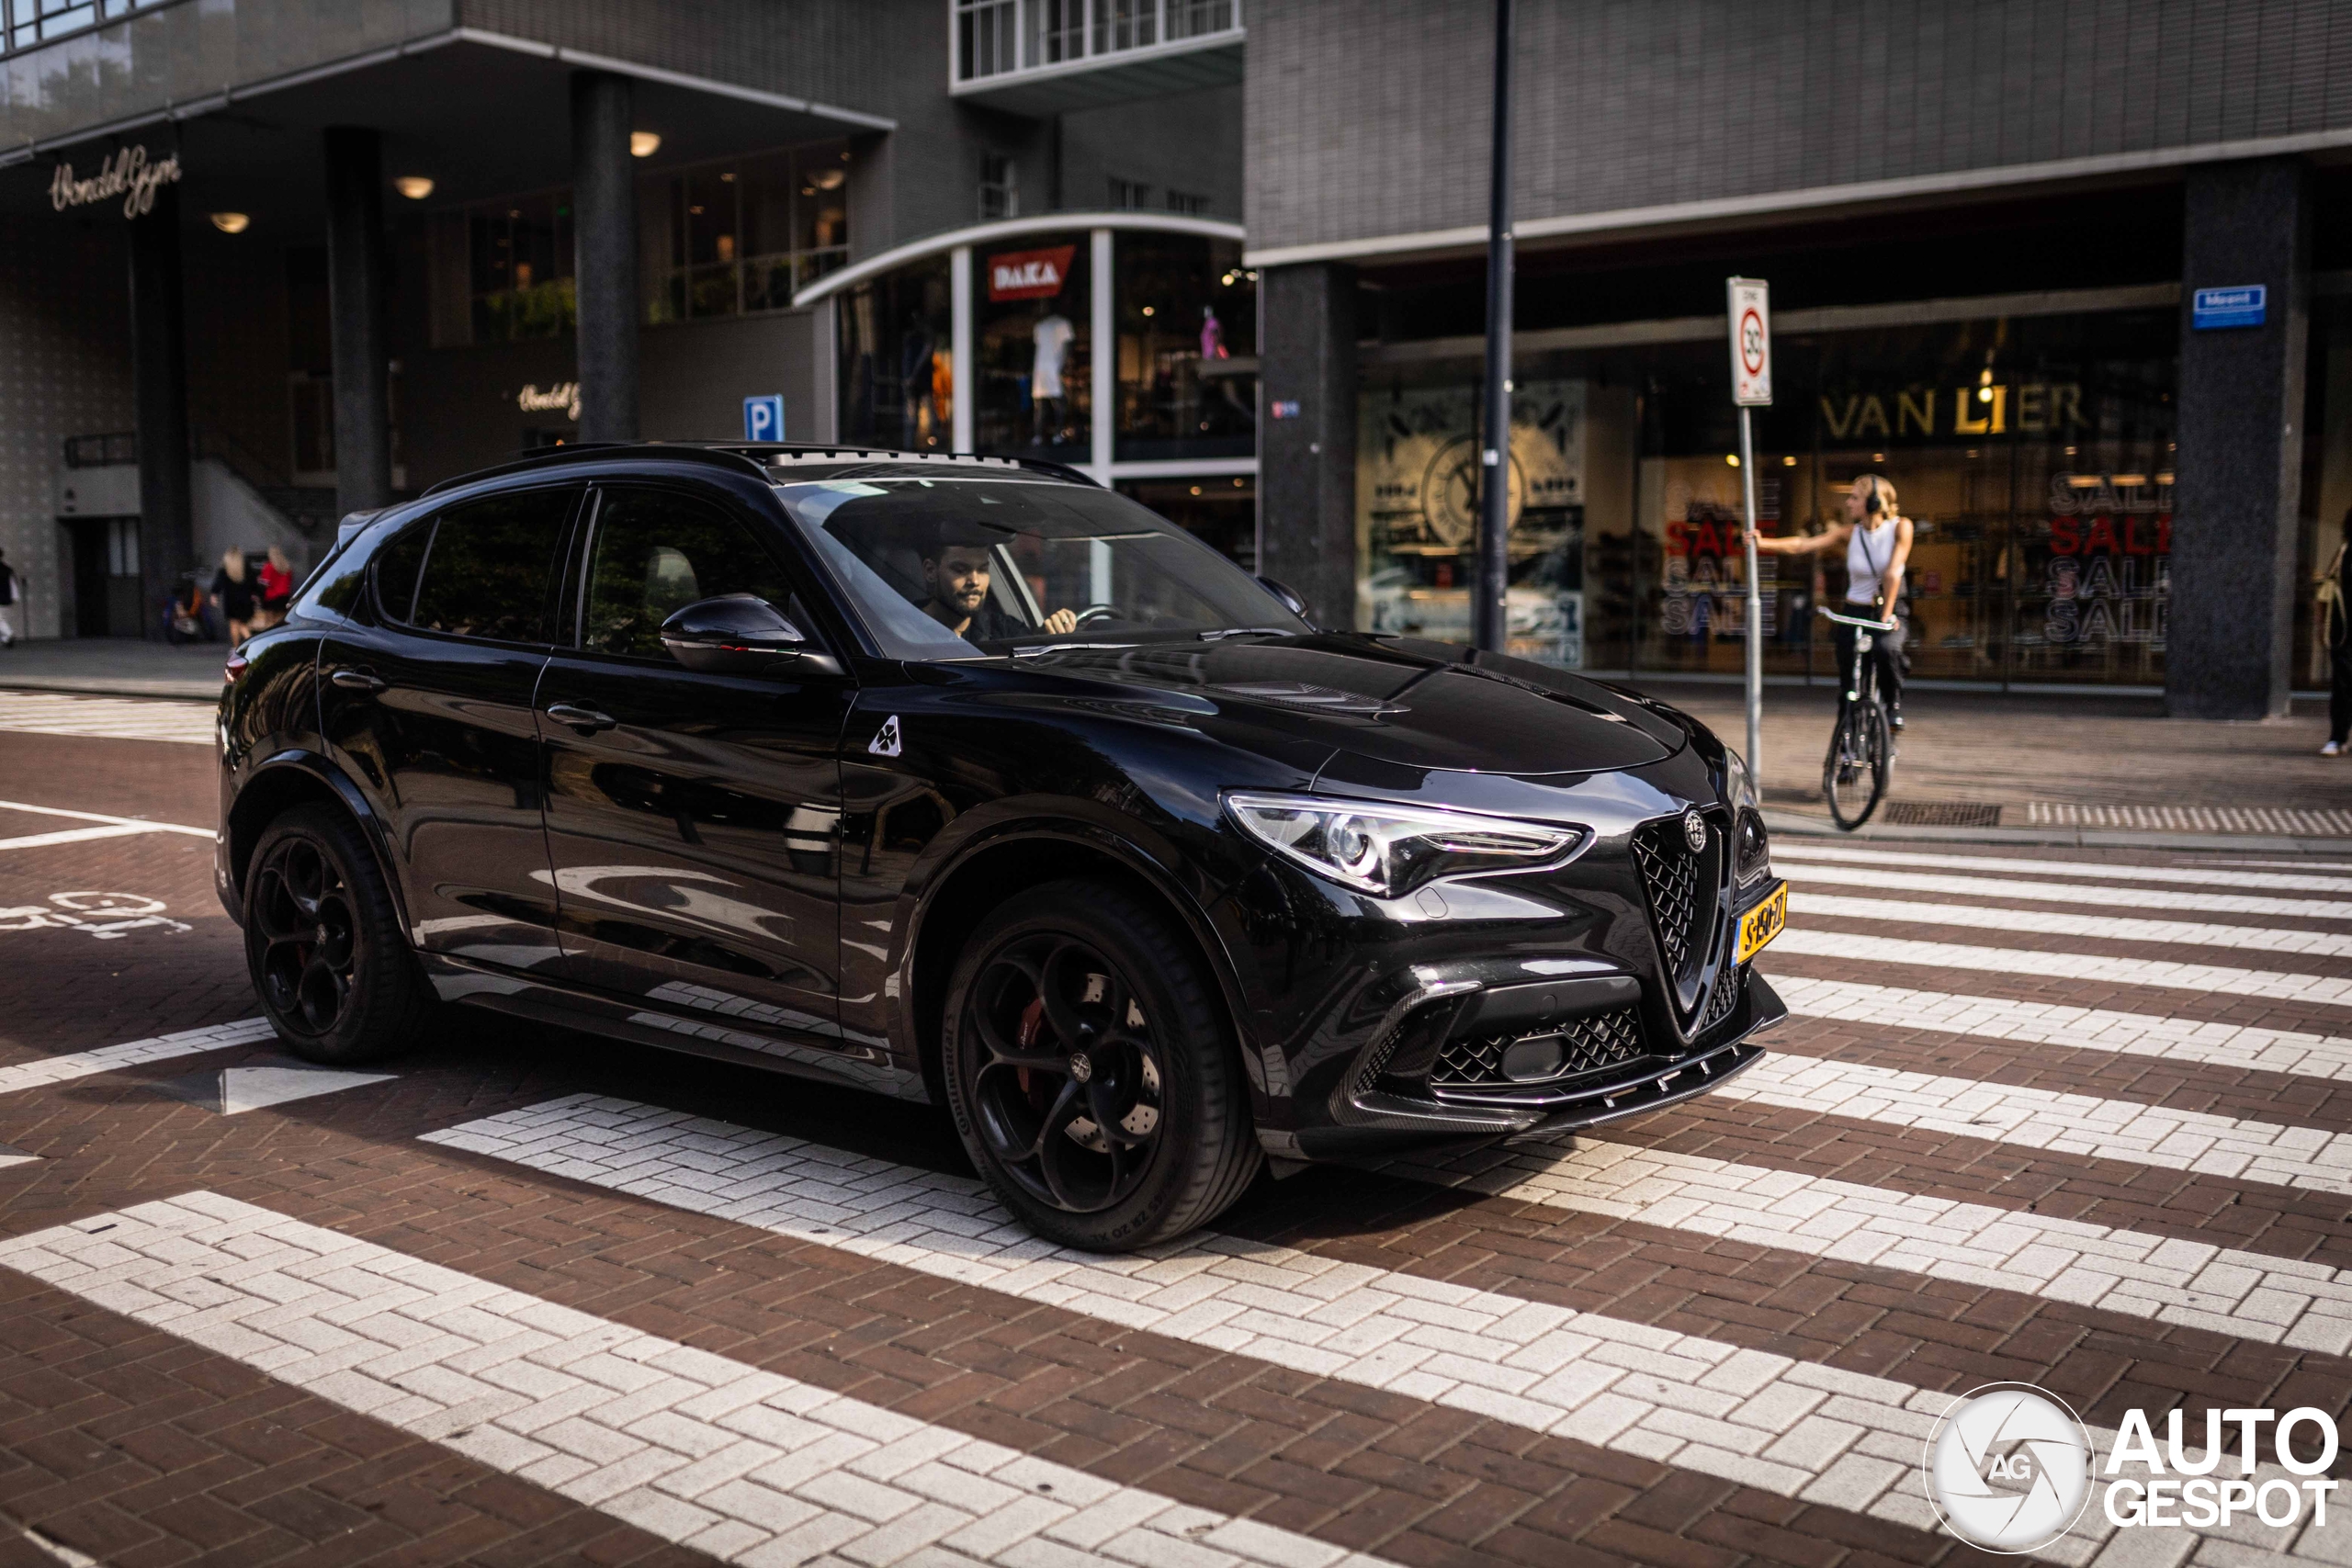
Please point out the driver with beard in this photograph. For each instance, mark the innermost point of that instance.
(955, 568)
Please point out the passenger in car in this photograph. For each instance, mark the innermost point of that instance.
(955, 570)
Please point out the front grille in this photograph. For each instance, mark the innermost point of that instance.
(1588, 1044)
(1726, 998)
(1670, 877)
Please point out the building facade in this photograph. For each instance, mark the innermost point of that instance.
(1228, 255)
(1985, 226)
(268, 261)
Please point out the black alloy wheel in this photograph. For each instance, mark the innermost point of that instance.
(323, 945)
(1094, 1080)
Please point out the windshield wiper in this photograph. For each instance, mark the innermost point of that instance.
(1223, 632)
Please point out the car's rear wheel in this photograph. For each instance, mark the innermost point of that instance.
(323, 943)
(1092, 1072)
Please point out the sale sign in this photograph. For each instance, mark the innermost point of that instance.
(1029, 275)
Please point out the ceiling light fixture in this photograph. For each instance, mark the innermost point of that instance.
(230, 222)
(416, 188)
(644, 143)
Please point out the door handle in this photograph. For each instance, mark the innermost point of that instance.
(585, 720)
(357, 681)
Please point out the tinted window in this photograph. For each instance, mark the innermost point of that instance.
(655, 554)
(486, 574)
(396, 566)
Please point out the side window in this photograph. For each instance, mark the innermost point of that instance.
(486, 575)
(396, 568)
(655, 554)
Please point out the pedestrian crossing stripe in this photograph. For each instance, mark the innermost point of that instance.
(112, 719)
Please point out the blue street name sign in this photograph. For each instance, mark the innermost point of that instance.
(764, 418)
(2243, 306)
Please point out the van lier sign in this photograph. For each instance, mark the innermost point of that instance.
(129, 174)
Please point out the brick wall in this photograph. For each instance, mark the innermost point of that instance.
(64, 370)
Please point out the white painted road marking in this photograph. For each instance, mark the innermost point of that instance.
(2088, 927)
(690, 1447)
(71, 836)
(2188, 876)
(1791, 1427)
(1846, 879)
(133, 824)
(2245, 1294)
(72, 1064)
(111, 718)
(2044, 1119)
(2087, 1029)
(2320, 989)
(232, 1091)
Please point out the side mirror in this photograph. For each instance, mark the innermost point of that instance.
(740, 634)
(1289, 597)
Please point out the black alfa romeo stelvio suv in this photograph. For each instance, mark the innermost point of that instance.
(966, 780)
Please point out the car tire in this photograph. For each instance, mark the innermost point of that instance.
(1135, 1130)
(323, 943)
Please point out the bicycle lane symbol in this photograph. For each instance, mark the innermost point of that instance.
(106, 917)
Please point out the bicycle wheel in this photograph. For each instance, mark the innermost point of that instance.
(1853, 775)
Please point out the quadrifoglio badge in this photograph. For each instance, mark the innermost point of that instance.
(2011, 1469)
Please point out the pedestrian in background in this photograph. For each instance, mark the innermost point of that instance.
(276, 588)
(2336, 625)
(10, 583)
(234, 592)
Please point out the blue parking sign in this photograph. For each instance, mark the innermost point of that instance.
(764, 418)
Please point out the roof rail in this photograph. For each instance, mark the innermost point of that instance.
(758, 455)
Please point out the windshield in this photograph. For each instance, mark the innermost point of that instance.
(953, 567)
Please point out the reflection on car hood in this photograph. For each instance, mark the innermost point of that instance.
(1418, 705)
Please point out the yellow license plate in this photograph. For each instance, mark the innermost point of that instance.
(1764, 923)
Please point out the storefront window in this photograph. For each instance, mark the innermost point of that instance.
(1220, 509)
(519, 264)
(2034, 455)
(744, 236)
(1188, 326)
(897, 379)
(1417, 513)
(1032, 308)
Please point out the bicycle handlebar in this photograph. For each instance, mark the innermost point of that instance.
(1851, 621)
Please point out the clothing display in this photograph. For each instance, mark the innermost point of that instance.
(1052, 337)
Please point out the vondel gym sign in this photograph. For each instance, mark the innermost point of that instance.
(129, 174)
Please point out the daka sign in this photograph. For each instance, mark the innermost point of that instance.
(1029, 275)
(129, 174)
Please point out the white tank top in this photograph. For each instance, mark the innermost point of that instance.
(1867, 553)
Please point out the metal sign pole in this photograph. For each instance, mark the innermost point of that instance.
(1750, 312)
(1489, 605)
(1754, 610)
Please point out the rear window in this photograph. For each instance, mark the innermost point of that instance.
(396, 568)
(486, 572)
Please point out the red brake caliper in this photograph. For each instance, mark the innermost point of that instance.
(1032, 1021)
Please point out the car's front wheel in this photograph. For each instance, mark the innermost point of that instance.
(1091, 1070)
(323, 943)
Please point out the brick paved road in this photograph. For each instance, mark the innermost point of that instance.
(2079, 1119)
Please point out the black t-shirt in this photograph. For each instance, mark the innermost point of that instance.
(236, 597)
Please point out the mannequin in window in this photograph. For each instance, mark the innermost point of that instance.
(1052, 337)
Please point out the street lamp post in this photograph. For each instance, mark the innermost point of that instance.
(1489, 623)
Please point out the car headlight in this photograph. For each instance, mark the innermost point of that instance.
(1391, 850)
(1751, 847)
(1738, 782)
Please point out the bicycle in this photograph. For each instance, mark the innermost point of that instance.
(1862, 745)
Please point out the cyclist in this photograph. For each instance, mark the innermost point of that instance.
(1877, 541)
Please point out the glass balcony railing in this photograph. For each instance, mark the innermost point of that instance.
(997, 39)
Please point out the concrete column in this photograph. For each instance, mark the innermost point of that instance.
(159, 392)
(2228, 651)
(1307, 435)
(603, 228)
(357, 273)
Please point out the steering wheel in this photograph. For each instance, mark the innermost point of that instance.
(1098, 613)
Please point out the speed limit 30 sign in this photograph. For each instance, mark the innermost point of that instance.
(1751, 342)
